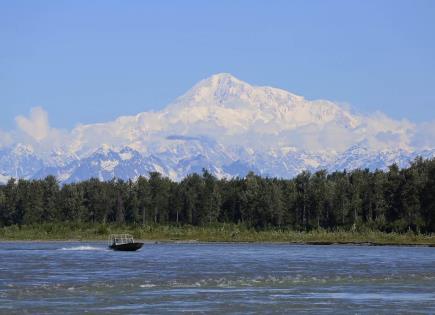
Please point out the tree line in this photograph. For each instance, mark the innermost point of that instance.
(394, 200)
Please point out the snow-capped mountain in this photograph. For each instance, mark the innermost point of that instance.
(224, 125)
(19, 161)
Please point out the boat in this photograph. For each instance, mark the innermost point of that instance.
(123, 242)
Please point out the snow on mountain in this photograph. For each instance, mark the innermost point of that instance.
(226, 110)
(19, 161)
(228, 102)
(360, 157)
(226, 126)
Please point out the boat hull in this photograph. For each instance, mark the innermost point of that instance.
(128, 247)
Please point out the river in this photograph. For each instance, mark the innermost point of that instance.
(73, 277)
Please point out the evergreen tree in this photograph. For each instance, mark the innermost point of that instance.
(397, 200)
(144, 198)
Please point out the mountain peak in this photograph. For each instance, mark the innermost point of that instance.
(223, 101)
(217, 87)
(223, 78)
(224, 86)
(223, 83)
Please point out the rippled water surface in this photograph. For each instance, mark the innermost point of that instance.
(70, 278)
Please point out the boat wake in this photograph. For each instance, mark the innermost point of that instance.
(79, 248)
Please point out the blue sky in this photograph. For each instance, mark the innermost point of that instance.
(92, 61)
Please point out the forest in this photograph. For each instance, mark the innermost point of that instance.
(396, 200)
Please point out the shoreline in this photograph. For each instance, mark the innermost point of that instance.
(184, 242)
(222, 233)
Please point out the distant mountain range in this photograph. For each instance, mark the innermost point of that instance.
(226, 126)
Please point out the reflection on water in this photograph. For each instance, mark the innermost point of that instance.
(71, 277)
(83, 247)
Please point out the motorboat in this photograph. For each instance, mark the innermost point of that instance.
(123, 242)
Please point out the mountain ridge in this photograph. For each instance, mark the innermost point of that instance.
(225, 125)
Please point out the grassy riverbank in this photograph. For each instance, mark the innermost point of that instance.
(218, 233)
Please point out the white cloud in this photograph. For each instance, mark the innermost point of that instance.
(316, 138)
(35, 131)
(36, 125)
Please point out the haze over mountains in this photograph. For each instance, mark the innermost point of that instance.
(222, 124)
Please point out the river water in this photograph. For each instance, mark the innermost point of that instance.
(71, 278)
